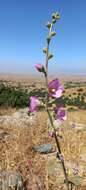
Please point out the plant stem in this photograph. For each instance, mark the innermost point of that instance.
(50, 118)
(59, 149)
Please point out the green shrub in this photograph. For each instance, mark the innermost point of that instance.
(9, 96)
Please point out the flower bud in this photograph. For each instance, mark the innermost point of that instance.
(51, 133)
(48, 40)
(45, 50)
(53, 16)
(60, 113)
(48, 25)
(57, 16)
(40, 68)
(53, 33)
(53, 21)
(50, 56)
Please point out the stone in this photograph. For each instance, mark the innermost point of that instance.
(44, 148)
(83, 157)
(76, 180)
(3, 135)
(78, 126)
(10, 179)
(19, 118)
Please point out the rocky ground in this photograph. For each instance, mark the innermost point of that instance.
(23, 167)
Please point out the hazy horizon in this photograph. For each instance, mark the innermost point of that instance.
(13, 69)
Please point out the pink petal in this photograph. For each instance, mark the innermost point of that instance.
(58, 93)
(34, 103)
(38, 66)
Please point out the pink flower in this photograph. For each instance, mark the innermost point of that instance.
(40, 68)
(51, 133)
(55, 88)
(34, 103)
(75, 171)
(60, 113)
(73, 125)
(29, 162)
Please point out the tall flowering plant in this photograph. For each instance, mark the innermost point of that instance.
(54, 90)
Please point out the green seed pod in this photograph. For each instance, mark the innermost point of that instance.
(50, 56)
(53, 20)
(53, 33)
(57, 16)
(48, 39)
(53, 16)
(48, 25)
(45, 50)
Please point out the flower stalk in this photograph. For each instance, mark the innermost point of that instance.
(53, 90)
(48, 112)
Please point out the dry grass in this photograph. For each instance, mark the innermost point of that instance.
(8, 111)
(16, 149)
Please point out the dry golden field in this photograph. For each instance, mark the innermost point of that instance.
(16, 151)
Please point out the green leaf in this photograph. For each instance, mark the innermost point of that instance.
(43, 70)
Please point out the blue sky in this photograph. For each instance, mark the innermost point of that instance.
(23, 35)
